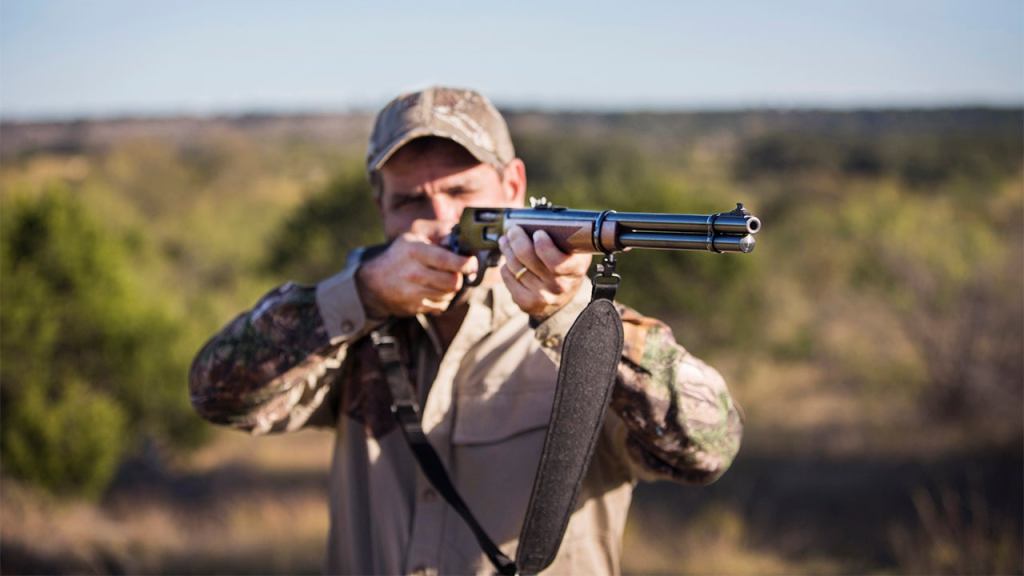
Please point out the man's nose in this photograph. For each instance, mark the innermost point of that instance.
(445, 208)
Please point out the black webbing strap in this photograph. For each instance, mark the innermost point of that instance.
(405, 408)
(590, 360)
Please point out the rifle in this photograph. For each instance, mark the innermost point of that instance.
(606, 232)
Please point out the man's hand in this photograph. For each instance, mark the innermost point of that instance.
(541, 278)
(413, 276)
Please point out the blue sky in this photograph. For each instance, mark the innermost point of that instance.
(61, 58)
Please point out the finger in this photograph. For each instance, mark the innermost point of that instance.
(440, 258)
(529, 292)
(522, 247)
(542, 289)
(472, 266)
(560, 263)
(432, 293)
(568, 283)
(434, 280)
(521, 295)
(434, 306)
(513, 265)
(546, 278)
(511, 262)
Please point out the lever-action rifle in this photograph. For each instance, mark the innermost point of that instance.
(607, 232)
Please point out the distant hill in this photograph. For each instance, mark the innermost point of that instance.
(350, 130)
(20, 138)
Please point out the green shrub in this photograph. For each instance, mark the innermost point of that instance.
(69, 440)
(89, 365)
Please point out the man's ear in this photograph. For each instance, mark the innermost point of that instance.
(514, 182)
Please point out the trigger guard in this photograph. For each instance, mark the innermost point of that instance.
(484, 259)
(477, 279)
(482, 263)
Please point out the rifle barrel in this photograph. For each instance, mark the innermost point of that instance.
(583, 231)
(675, 241)
(696, 223)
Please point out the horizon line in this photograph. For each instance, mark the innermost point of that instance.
(234, 112)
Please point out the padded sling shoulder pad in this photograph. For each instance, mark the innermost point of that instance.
(590, 359)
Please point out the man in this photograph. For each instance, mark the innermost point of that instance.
(484, 367)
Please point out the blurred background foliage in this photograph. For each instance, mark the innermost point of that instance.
(91, 365)
(877, 327)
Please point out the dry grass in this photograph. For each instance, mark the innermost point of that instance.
(270, 535)
(254, 528)
(308, 450)
(957, 535)
(713, 542)
(790, 412)
(258, 505)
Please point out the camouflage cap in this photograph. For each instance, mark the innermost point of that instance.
(463, 116)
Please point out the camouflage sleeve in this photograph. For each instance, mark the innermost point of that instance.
(683, 423)
(680, 421)
(269, 369)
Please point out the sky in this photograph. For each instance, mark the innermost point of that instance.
(69, 58)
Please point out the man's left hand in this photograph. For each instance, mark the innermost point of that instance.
(541, 278)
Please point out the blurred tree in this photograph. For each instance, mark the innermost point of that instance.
(862, 159)
(945, 275)
(312, 242)
(89, 365)
(785, 154)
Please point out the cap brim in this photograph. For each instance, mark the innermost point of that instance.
(378, 162)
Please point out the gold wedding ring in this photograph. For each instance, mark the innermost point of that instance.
(519, 274)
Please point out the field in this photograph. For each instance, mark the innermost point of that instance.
(875, 338)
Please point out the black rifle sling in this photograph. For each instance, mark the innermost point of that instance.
(590, 360)
(405, 408)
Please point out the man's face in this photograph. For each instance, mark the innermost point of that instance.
(434, 183)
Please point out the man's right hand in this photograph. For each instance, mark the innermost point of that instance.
(413, 276)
